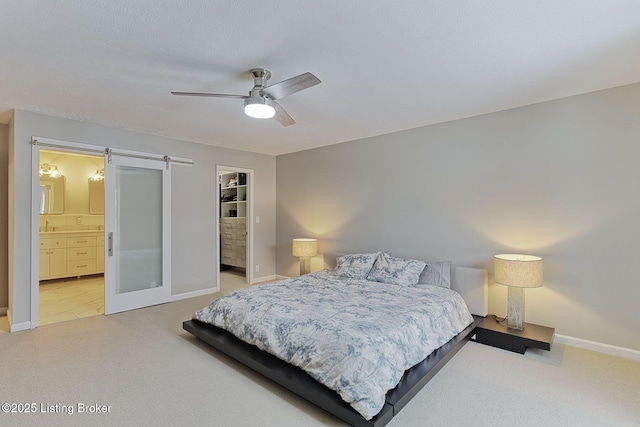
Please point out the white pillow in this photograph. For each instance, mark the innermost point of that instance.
(437, 274)
(355, 266)
(396, 271)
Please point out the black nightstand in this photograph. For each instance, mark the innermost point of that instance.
(496, 334)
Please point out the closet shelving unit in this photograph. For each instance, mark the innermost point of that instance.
(233, 219)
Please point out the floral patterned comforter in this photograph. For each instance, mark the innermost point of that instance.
(356, 337)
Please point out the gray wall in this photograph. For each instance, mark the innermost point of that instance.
(4, 175)
(193, 205)
(557, 179)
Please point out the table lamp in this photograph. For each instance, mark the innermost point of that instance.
(305, 249)
(517, 272)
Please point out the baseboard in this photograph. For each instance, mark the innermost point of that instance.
(3, 311)
(17, 327)
(193, 294)
(599, 347)
(267, 278)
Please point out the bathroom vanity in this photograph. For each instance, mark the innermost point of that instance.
(71, 253)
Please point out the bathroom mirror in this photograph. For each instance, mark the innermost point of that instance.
(96, 197)
(52, 195)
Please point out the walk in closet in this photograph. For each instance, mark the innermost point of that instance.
(233, 220)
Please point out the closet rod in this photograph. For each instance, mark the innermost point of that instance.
(111, 151)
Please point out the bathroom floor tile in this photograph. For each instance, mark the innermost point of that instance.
(71, 298)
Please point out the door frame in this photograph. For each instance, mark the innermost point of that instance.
(35, 215)
(38, 143)
(250, 221)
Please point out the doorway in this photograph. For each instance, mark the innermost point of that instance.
(234, 216)
(130, 178)
(71, 232)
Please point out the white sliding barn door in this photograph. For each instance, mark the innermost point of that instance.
(137, 233)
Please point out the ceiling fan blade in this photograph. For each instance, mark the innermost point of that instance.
(290, 86)
(214, 95)
(282, 116)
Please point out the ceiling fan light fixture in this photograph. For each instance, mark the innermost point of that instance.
(259, 108)
(261, 102)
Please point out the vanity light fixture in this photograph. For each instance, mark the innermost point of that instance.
(51, 170)
(517, 272)
(305, 249)
(98, 176)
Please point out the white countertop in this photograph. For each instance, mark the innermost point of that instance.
(71, 232)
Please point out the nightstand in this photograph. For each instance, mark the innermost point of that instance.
(496, 334)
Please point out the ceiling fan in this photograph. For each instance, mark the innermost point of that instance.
(261, 101)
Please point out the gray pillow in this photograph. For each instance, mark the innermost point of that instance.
(437, 274)
(396, 271)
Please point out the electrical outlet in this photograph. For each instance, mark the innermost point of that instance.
(257, 220)
(257, 268)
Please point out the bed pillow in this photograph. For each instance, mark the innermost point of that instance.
(355, 266)
(437, 274)
(396, 271)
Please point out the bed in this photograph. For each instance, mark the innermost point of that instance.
(388, 340)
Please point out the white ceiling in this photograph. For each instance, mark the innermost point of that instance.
(385, 66)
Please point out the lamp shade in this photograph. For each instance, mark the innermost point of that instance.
(521, 271)
(304, 247)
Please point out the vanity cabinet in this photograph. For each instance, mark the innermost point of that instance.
(71, 254)
(53, 257)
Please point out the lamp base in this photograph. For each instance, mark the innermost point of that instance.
(305, 265)
(515, 308)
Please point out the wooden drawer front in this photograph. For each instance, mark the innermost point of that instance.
(80, 242)
(228, 259)
(225, 241)
(100, 241)
(53, 243)
(233, 235)
(233, 223)
(81, 253)
(241, 255)
(80, 267)
(227, 225)
(227, 246)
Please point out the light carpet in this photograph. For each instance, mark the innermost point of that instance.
(147, 371)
